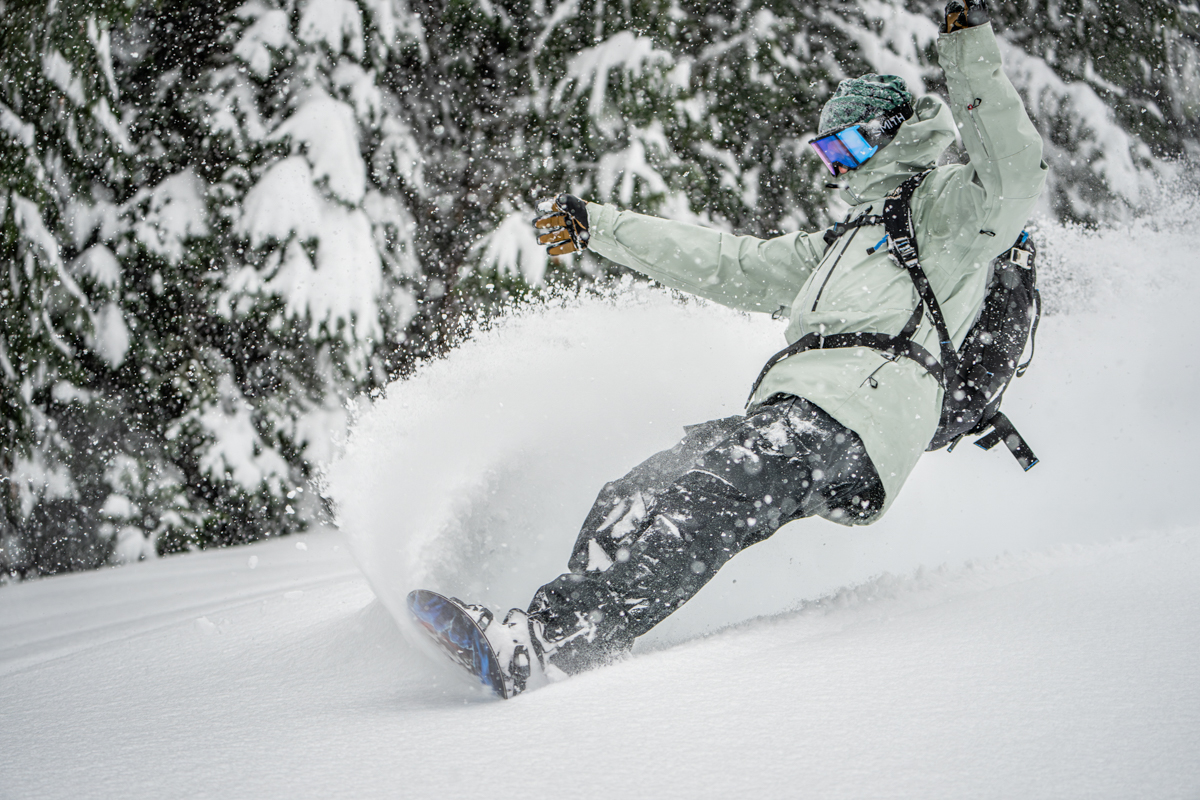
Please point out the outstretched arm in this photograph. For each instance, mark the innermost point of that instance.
(739, 271)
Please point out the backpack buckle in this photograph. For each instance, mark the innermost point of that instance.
(1022, 258)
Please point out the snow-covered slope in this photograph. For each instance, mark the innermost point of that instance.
(999, 634)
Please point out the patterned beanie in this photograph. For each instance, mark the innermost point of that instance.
(862, 99)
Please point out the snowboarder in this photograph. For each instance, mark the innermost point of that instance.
(830, 431)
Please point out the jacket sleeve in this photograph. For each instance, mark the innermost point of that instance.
(742, 272)
(1006, 174)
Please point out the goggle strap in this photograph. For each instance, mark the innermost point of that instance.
(895, 118)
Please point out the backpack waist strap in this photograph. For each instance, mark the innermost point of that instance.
(891, 346)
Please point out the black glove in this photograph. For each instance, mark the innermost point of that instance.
(563, 223)
(960, 17)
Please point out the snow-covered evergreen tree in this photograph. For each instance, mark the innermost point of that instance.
(60, 140)
(1113, 88)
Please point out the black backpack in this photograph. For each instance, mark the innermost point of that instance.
(987, 359)
(975, 375)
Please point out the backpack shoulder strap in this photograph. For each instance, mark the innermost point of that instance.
(902, 247)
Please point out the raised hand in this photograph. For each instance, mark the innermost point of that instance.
(963, 14)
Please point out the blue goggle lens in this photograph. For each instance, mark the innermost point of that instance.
(847, 148)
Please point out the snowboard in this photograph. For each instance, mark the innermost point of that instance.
(453, 630)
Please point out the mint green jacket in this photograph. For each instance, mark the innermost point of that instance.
(964, 215)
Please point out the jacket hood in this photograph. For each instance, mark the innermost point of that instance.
(916, 147)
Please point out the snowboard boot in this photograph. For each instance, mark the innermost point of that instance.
(519, 650)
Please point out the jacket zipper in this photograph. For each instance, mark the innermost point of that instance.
(833, 266)
(975, 124)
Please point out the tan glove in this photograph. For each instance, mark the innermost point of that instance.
(563, 224)
(963, 14)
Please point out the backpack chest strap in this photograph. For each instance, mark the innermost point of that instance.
(839, 229)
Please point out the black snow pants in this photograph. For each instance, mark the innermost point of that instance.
(657, 535)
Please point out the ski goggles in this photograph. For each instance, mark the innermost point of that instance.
(847, 148)
(851, 146)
